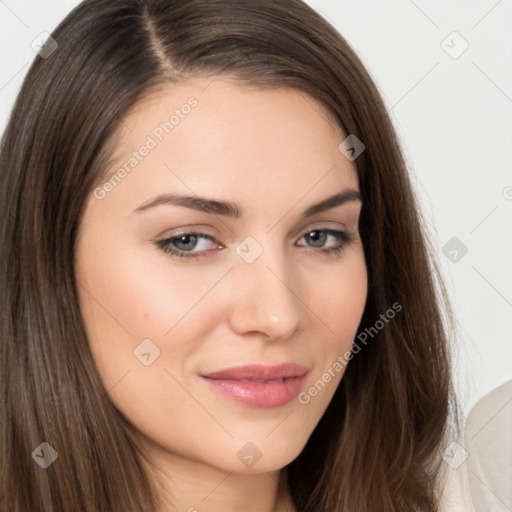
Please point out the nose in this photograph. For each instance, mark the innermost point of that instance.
(264, 301)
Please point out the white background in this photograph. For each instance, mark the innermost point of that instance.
(454, 117)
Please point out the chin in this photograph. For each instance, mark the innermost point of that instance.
(252, 458)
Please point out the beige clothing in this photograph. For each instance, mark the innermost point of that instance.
(489, 444)
(455, 495)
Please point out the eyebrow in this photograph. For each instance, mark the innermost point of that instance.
(228, 209)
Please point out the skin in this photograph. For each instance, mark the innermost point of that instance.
(273, 153)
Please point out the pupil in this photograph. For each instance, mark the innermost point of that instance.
(186, 242)
(317, 237)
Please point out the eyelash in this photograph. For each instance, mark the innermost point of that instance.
(343, 237)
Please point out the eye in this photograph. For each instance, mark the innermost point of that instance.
(193, 245)
(330, 241)
(188, 245)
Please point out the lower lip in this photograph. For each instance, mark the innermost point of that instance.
(259, 394)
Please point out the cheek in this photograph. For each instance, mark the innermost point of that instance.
(128, 295)
(340, 301)
(139, 289)
(339, 305)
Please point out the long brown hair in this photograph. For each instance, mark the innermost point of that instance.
(376, 447)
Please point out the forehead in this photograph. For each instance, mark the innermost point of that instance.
(202, 135)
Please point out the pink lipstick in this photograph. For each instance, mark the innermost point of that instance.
(259, 385)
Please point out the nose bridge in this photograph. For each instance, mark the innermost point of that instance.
(265, 299)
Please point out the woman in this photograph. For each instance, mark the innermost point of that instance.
(217, 292)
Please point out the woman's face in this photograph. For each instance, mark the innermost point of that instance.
(216, 283)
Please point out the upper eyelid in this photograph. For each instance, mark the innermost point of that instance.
(214, 239)
(199, 232)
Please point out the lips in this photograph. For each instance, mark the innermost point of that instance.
(259, 385)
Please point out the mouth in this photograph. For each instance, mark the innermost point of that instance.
(259, 385)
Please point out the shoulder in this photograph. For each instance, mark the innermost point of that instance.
(488, 439)
(494, 409)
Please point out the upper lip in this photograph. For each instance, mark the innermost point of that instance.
(259, 372)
